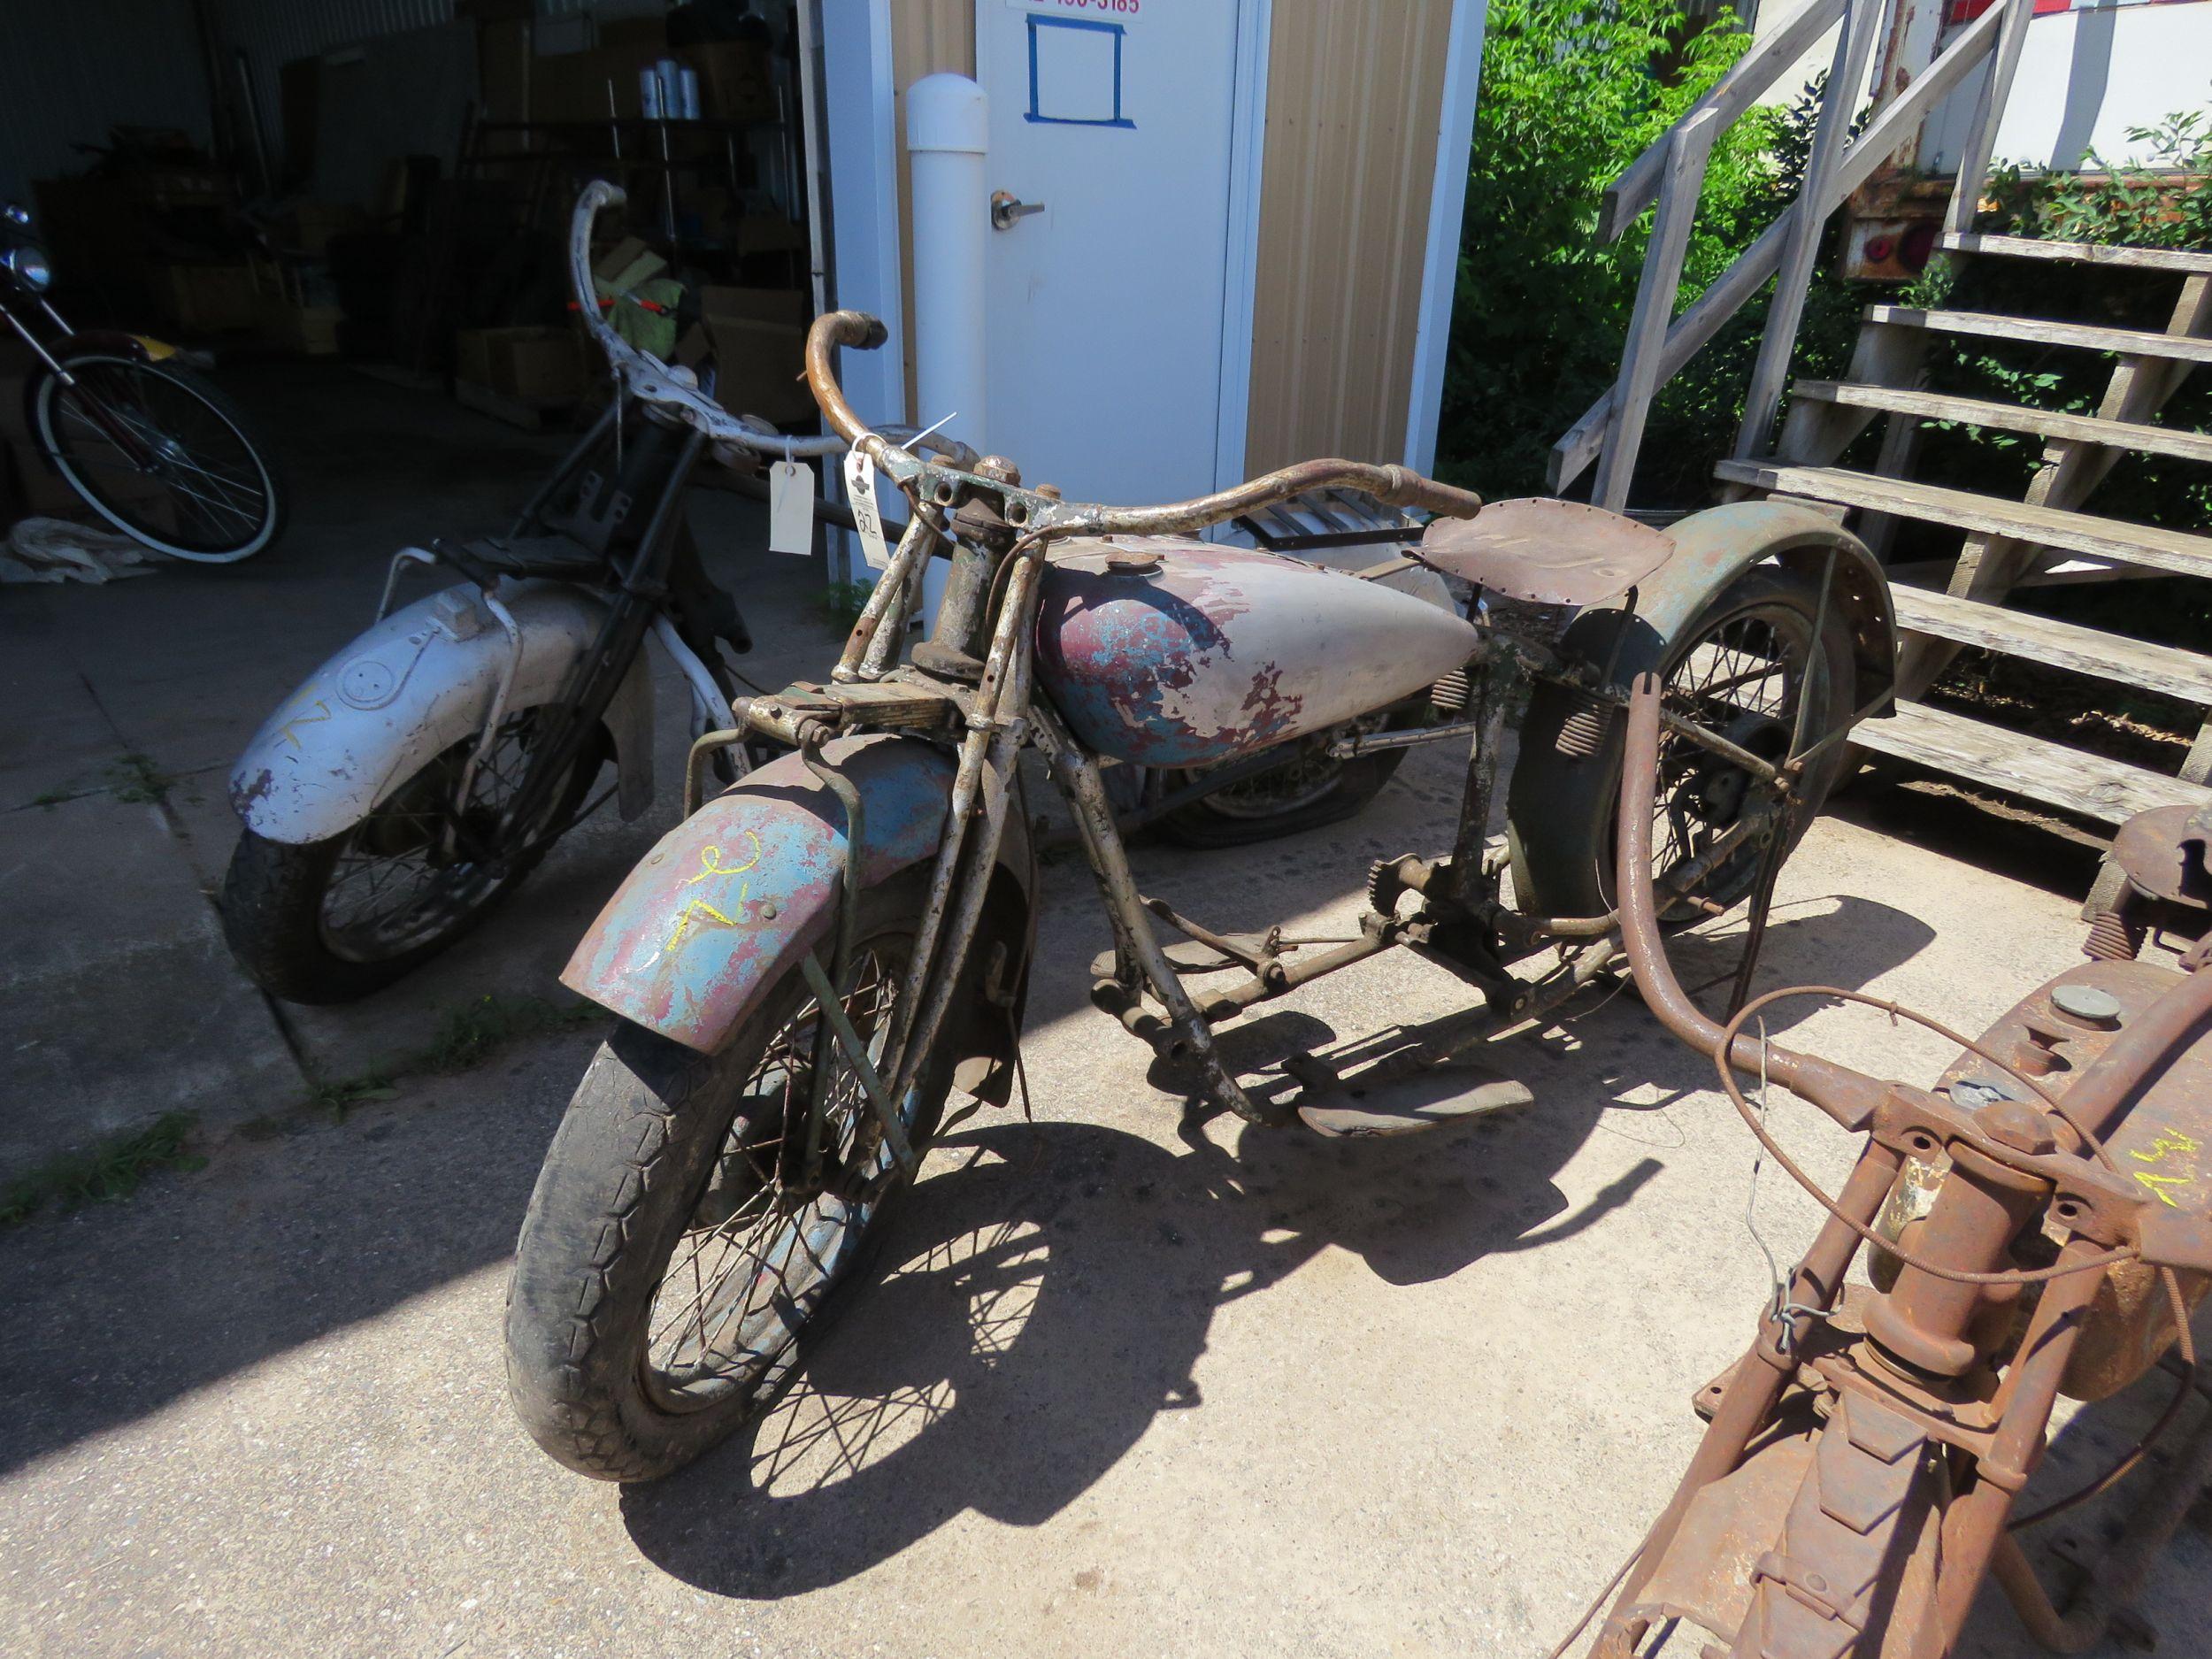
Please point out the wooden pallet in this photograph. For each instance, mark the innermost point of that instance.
(2007, 543)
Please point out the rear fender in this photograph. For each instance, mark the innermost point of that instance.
(1713, 547)
(734, 897)
(417, 683)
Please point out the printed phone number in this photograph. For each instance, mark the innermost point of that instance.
(1125, 8)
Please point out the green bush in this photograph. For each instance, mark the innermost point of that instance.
(1572, 92)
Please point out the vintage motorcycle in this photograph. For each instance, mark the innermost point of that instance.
(419, 776)
(2041, 1227)
(810, 964)
(150, 447)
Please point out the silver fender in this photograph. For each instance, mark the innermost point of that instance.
(417, 683)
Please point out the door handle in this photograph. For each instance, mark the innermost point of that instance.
(1006, 208)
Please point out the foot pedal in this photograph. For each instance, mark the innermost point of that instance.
(1351, 1120)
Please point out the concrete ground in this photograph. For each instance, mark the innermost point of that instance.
(1126, 1383)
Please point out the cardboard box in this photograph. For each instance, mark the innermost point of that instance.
(536, 364)
(209, 299)
(312, 225)
(759, 340)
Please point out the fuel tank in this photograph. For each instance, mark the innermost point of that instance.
(1168, 652)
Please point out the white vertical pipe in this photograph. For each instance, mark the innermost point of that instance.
(947, 129)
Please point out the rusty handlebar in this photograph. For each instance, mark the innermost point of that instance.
(1850, 1097)
(1394, 485)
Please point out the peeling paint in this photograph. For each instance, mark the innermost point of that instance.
(698, 931)
(1220, 652)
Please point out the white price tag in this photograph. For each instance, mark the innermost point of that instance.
(791, 508)
(860, 489)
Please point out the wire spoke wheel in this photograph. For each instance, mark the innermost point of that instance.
(423, 863)
(160, 455)
(682, 1246)
(1744, 678)
(764, 1242)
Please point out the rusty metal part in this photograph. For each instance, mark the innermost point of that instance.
(1848, 1096)
(1553, 552)
(2162, 852)
(2123, 1057)
(1208, 653)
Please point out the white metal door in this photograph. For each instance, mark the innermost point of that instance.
(1104, 308)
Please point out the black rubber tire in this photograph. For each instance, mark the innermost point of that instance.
(620, 1182)
(1202, 825)
(276, 490)
(271, 909)
(1560, 808)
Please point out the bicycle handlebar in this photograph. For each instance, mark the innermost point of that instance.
(675, 390)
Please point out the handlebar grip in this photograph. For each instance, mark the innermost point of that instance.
(832, 329)
(1408, 489)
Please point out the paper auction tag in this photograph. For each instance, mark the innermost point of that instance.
(860, 489)
(790, 507)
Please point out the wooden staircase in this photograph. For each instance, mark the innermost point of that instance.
(2053, 534)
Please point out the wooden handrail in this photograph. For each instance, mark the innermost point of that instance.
(1893, 125)
(1638, 186)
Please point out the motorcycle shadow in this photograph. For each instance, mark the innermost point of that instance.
(1047, 1291)
(1034, 1307)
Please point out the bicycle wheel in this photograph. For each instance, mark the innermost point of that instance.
(162, 455)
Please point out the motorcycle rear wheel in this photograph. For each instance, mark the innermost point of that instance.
(295, 913)
(674, 1259)
(1742, 665)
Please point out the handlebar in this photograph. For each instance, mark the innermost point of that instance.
(649, 380)
(1850, 1097)
(1394, 485)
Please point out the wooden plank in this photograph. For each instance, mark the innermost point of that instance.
(2129, 342)
(1638, 186)
(2109, 791)
(2174, 259)
(2139, 387)
(2165, 669)
(1687, 150)
(1777, 341)
(2153, 545)
(2050, 423)
(1989, 110)
(1896, 123)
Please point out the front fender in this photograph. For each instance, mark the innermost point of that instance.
(734, 897)
(410, 687)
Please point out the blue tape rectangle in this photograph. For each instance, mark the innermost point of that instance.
(1035, 114)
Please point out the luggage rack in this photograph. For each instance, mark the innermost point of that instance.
(1328, 517)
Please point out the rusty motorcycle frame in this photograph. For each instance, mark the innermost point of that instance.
(2039, 1227)
(809, 963)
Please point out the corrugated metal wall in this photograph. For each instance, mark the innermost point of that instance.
(1353, 96)
(928, 37)
(68, 72)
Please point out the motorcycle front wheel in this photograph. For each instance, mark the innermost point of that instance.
(332, 920)
(676, 1251)
(162, 455)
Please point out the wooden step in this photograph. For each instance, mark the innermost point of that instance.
(2109, 791)
(2172, 259)
(2150, 545)
(2049, 423)
(2131, 342)
(2161, 668)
